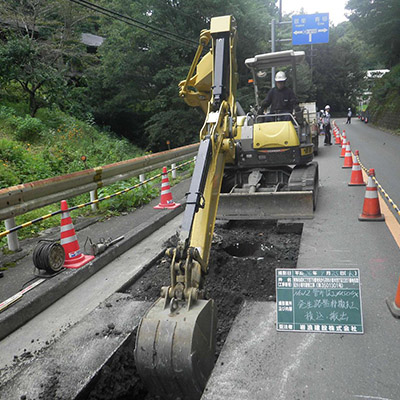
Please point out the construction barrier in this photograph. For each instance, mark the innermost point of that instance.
(348, 158)
(344, 144)
(394, 306)
(166, 195)
(371, 209)
(382, 190)
(336, 132)
(74, 258)
(356, 178)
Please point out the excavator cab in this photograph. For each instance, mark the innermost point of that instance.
(273, 176)
(258, 65)
(299, 120)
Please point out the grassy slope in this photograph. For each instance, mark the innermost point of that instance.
(52, 144)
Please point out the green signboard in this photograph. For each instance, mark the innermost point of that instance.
(319, 300)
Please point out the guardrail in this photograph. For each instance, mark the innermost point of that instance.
(19, 199)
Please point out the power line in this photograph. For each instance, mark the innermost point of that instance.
(136, 23)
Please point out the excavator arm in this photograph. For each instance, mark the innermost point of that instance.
(175, 342)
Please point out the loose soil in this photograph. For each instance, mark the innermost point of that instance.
(243, 260)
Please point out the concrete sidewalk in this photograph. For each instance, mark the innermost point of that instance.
(259, 363)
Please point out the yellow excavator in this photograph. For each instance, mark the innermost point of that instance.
(249, 159)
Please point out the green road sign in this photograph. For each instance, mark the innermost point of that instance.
(318, 300)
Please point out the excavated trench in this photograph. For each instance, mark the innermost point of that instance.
(243, 260)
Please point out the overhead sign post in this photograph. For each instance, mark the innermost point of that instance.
(310, 29)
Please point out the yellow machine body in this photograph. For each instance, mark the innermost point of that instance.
(244, 161)
(268, 135)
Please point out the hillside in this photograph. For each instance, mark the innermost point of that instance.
(384, 106)
(54, 143)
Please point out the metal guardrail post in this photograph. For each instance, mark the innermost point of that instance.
(142, 178)
(173, 167)
(94, 196)
(12, 238)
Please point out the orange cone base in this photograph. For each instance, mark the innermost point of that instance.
(349, 166)
(78, 262)
(170, 206)
(393, 308)
(356, 184)
(365, 217)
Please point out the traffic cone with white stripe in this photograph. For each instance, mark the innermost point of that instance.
(394, 306)
(166, 196)
(371, 209)
(344, 143)
(348, 159)
(337, 136)
(74, 258)
(356, 178)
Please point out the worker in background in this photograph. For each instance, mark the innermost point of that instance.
(349, 114)
(281, 99)
(326, 120)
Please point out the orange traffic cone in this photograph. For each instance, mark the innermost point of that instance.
(166, 196)
(348, 159)
(73, 255)
(343, 135)
(371, 209)
(356, 178)
(394, 306)
(337, 136)
(344, 144)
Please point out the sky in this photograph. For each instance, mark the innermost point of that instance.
(335, 8)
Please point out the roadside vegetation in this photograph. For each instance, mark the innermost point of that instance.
(54, 143)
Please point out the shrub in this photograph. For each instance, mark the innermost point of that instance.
(28, 129)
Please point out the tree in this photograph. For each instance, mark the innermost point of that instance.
(379, 22)
(39, 52)
(135, 88)
(24, 62)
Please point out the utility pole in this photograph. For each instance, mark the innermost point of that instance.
(273, 50)
(273, 38)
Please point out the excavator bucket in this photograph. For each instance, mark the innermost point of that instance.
(174, 352)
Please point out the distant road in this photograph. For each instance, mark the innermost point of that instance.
(379, 150)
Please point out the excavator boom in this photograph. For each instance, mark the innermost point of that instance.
(175, 343)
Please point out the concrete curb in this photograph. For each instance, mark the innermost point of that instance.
(94, 341)
(37, 300)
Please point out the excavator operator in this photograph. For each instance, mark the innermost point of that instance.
(281, 98)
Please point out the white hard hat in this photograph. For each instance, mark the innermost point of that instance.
(280, 76)
(349, 108)
(327, 107)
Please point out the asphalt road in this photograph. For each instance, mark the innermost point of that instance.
(379, 150)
